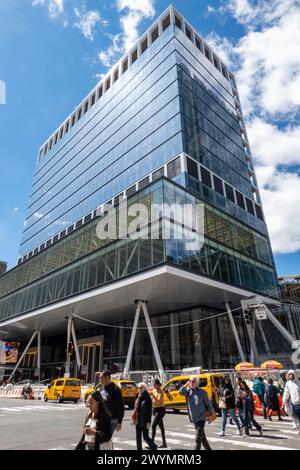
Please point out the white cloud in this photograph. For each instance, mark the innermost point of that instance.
(252, 13)
(14, 210)
(266, 61)
(269, 67)
(223, 46)
(272, 145)
(108, 56)
(280, 192)
(135, 12)
(55, 7)
(87, 21)
(280, 189)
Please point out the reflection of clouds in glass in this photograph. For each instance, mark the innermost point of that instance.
(38, 215)
(61, 222)
(2, 92)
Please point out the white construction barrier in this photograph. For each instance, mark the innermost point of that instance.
(16, 392)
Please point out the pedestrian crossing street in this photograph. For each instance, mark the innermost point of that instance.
(180, 433)
(276, 436)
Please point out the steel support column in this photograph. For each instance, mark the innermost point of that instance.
(132, 339)
(235, 333)
(74, 337)
(39, 354)
(141, 304)
(153, 340)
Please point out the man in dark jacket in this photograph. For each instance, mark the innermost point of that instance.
(113, 399)
(198, 406)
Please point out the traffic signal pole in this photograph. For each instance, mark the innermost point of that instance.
(68, 355)
(75, 345)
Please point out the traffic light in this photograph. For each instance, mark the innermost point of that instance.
(70, 348)
(248, 316)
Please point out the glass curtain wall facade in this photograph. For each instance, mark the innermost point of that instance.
(164, 126)
(133, 128)
(227, 251)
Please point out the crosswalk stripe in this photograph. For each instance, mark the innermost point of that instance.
(251, 445)
(8, 409)
(290, 431)
(241, 442)
(132, 443)
(36, 408)
(58, 448)
(119, 440)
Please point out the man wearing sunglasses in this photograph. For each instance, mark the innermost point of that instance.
(198, 406)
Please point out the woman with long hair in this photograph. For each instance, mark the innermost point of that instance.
(227, 405)
(159, 411)
(248, 407)
(97, 426)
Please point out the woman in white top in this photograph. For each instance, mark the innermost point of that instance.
(97, 426)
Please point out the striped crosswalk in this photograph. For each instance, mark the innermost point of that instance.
(184, 439)
(180, 433)
(45, 407)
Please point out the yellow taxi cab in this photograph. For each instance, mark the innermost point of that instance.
(210, 382)
(128, 388)
(63, 390)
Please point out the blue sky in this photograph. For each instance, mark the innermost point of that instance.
(52, 52)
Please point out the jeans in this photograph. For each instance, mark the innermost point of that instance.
(145, 432)
(232, 416)
(201, 436)
(113, 425)
(296, 411)
(244, 418)
(159, 414)
(249, 418)
(263, 405)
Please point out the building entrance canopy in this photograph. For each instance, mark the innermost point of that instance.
(166, 289)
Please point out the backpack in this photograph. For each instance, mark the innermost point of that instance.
(257, 388)
(270, 392)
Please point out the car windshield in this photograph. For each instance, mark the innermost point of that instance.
(73, 383)
(202, 382)
(128, 385)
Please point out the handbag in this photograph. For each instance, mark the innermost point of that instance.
(222, 403)
(81, 444)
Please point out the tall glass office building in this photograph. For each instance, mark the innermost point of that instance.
(163, 127)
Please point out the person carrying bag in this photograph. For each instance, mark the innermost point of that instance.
(227, 406)
(97, 426)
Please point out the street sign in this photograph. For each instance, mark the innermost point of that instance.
(260, 312)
